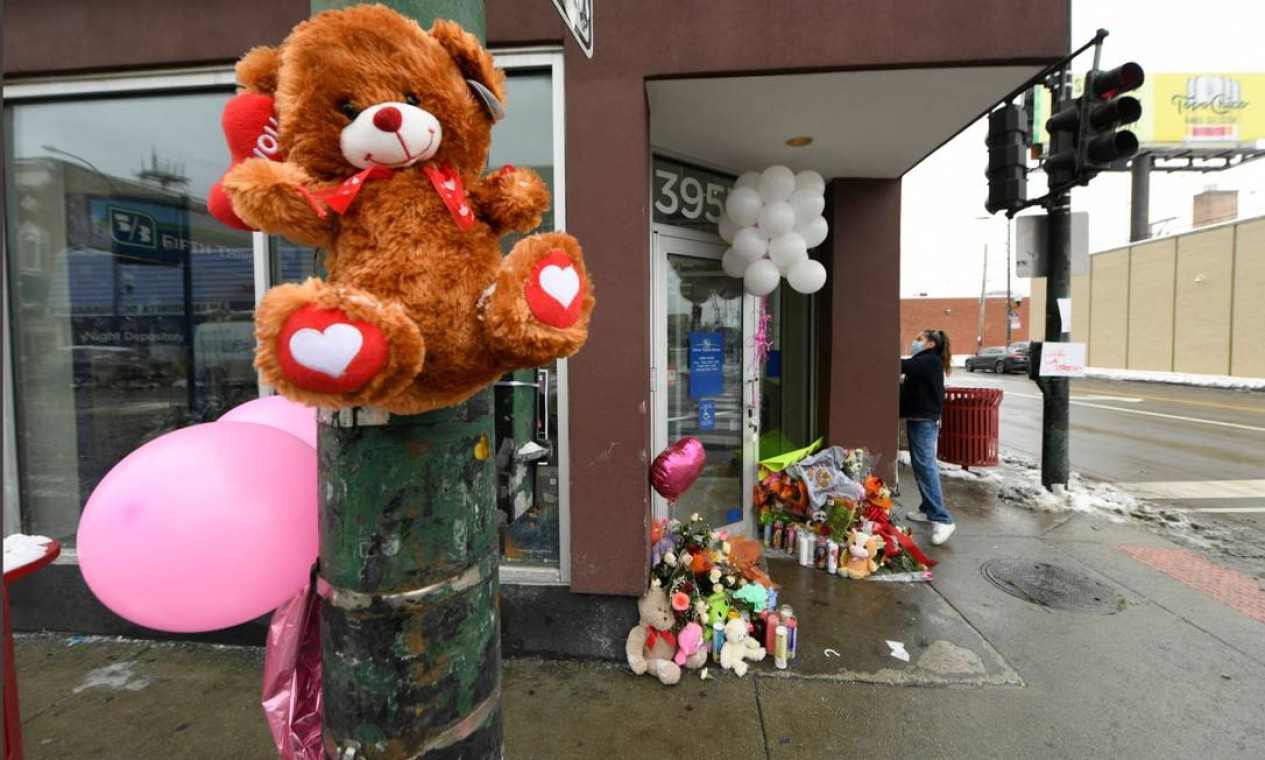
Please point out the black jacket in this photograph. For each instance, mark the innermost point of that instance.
(922, 391)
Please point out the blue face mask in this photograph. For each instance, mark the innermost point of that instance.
(916, 346)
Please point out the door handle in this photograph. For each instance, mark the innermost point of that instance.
(542, 385)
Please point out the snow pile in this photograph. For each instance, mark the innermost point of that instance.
(21, 549)
(1017, 481)
(1178, 378)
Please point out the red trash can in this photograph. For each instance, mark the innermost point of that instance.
(968, 427)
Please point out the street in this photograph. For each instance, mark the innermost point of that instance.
(1193, 449)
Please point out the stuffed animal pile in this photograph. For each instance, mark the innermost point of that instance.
(374, 150)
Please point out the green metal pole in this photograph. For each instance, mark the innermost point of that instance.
(410, 601)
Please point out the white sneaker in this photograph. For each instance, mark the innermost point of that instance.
(940, 532)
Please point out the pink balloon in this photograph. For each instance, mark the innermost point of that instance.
(278, 412)
(203, 528)
(676, 469)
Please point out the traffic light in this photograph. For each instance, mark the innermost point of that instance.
(1107, 109)
(1008, 139)
(1085, 135)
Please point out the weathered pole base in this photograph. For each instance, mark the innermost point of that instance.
(410, 613)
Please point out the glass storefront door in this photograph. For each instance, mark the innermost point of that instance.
(703, 385)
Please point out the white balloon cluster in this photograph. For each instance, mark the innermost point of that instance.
(771, 219)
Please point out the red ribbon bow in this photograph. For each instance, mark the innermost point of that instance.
(891, 536)
(340, 197)
(653, 634)
(446, 182)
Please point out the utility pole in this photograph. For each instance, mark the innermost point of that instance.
(1140, 205)
(1058, 279)
(983, 289)
(1010, 300)
(410, 613)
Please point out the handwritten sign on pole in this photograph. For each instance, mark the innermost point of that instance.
(1062, 360)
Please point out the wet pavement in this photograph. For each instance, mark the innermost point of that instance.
(1177, 670)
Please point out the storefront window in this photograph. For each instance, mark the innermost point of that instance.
(130, 306)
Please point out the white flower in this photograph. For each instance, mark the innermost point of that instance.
(714, 576)
(669, 559)
(703, 675)
(729, 580)
(695, 517)
(725, 547)
(700, 607)
(686, 558)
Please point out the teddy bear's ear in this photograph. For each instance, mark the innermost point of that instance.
(257, 70)
(475, 62)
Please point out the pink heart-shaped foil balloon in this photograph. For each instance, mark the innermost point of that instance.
(676, 469)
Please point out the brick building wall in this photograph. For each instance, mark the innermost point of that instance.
(959, 317)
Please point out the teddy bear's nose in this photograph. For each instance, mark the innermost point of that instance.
(388, 119)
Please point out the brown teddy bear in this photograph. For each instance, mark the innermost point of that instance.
(384, 130)
(651, 646)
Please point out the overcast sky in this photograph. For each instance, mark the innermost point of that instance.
(943, 240)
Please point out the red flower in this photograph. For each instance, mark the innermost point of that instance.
(680, 601)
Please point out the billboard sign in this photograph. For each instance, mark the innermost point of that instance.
(1195, 109)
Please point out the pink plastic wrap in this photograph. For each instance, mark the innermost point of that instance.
(292, 677)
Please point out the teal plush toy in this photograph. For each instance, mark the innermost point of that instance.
(753, 594)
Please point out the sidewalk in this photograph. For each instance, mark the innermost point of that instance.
(1164, 669)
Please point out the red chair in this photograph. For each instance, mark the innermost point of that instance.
(12, 715)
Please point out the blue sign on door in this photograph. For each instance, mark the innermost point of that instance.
(707, 415)
(707, 359)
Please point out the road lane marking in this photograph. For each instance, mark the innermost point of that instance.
(1123, 399)
(1197, 489)
(1219, 423)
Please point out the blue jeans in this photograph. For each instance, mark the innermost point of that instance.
(923, 435)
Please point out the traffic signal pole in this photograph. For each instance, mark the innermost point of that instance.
(1054, 390)
(1085, 138)
(410, 612)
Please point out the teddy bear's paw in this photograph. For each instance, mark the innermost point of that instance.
(334, 346)
(669, 672)
(323, 350)
(512, 199)
(538, 309)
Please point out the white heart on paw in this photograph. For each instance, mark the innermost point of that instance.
(330, 351)
(561, 284)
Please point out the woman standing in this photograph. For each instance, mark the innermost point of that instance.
(921, 399)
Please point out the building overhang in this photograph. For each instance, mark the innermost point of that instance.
(871, 124)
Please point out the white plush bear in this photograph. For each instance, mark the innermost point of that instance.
(739, 647)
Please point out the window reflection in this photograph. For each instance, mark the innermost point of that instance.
(131, 307)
